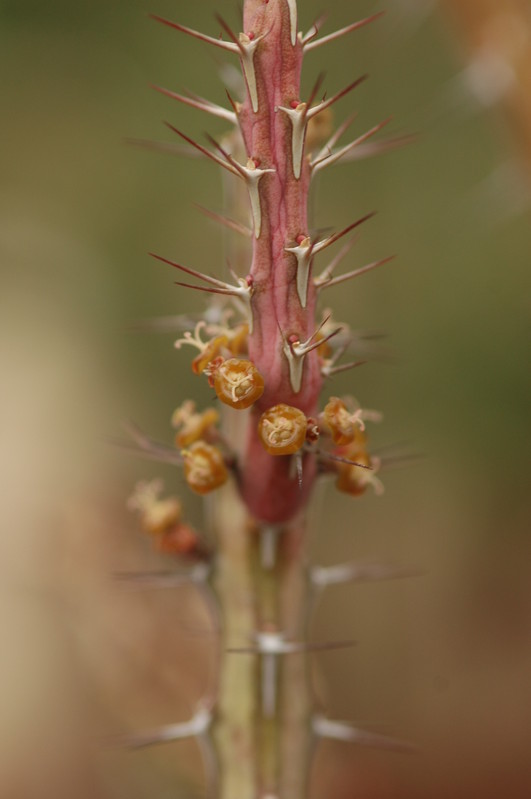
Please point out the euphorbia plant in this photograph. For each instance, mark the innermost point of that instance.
(268, 352)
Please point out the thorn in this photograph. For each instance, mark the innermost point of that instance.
(164, 579)
(246, 49)
(327, 273)
(231, 224)
(274, 643)
(341, 731)
(334, 281)
(206, 289)
(203, 150)
(303, 254)
(293, 21)
(252, 176)
(148, 447)
(199, 275)
(333, 157)
(230, 46)
(325, 576)
(308, 44)
(198, 726)
(298, 119)
(334, 138)
(298, 463)
(235, 106)
(296, 351)
(340, 459)
(327, 103)
(314, 30)
(163, 147)
(243, 291)
(322, 245)
(330, 370)
(199, 102)
(378, 148)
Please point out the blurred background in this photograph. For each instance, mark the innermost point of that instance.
(443, 660)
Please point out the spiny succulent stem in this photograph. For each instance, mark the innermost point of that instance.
(256, 722)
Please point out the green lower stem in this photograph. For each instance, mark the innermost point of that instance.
(261, 727)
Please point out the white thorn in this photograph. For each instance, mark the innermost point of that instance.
(303, 253)
(298, 123)
(324, 576)
(247, 50)
(252, 175)
(296, 352)
(196, 727)
(341, 731)
(293, 20)
(296, 364)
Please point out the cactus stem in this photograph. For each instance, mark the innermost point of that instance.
(334, 281)
(320, 163)
(199, 102)
(310, 43)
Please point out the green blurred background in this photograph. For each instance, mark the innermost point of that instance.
(445, 659)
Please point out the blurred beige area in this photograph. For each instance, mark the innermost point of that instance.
(443, 660)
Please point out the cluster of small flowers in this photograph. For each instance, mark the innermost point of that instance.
(282, 429)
